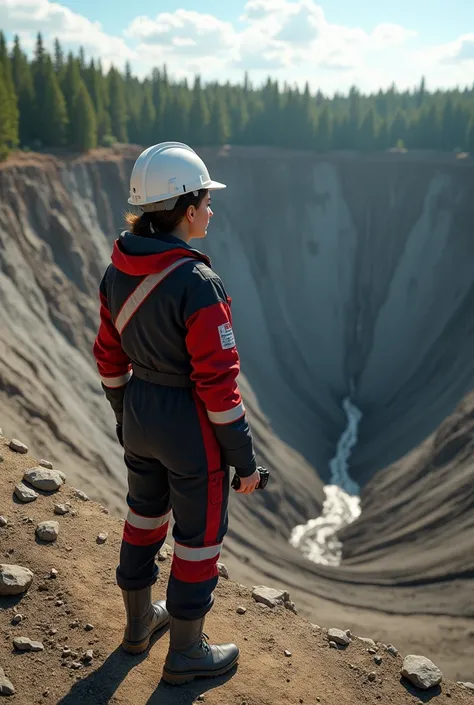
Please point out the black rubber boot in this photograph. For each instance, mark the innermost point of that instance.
(143, 619)
(191, 656)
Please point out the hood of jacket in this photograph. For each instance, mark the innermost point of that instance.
(138, 256)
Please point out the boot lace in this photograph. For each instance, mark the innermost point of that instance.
(204, 642)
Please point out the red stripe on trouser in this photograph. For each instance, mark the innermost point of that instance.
(194, 571)
(214, 487)
(144, 537)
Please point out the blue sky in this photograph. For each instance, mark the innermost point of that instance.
(333, 44)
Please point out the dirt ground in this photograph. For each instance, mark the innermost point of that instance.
(56, 611)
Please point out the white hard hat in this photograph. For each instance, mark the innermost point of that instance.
(166, 171)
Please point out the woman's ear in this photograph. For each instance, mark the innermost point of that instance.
(190, 213)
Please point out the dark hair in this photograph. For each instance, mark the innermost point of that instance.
(163, 221)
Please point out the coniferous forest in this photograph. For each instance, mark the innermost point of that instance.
(65, 101)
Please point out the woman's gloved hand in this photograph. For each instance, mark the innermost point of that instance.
(119, 432)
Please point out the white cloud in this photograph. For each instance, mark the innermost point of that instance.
(457, 52)
(276, 35)
(387, 35)
(185, 30)
(261, 9)
(292, 40)
(28, 17)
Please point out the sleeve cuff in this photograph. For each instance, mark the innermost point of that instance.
(249, 470)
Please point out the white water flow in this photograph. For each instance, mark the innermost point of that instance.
(317, 538)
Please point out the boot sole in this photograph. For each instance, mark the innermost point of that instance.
(133, 647)
(182, 678)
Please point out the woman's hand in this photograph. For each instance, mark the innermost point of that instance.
(249, 484)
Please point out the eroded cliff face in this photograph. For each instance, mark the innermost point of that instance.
(53, 216)
(351, 277)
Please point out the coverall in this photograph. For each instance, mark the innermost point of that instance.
(168, 362)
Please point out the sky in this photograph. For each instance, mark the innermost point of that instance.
(332, 44)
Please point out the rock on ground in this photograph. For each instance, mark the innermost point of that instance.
(420, 671)
(43, 479)
(24, 493)
(165, 552)
(18, 446)
(60, 509)
(366, 640)
(466, 684)
(14, 579)
(23, 643)
(271, 597)
(48, 530)
(223, 572)
(339, 637)
(6, 686)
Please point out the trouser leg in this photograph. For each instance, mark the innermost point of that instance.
(147, 521)
(200, 507)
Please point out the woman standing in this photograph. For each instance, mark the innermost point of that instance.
(168, 363)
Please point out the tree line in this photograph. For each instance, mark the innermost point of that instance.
(64, 101)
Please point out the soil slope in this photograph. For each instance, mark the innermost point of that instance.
(55, 611)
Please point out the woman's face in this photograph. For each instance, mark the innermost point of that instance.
(202, 216)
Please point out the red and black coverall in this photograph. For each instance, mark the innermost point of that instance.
(168, 368)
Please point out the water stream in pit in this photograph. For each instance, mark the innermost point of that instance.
(317, 538)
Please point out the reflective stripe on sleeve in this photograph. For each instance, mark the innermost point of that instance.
(223, 417)
(187, 553)
(147, 523)
(138, 296)
(114, 382)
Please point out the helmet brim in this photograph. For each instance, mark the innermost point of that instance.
(215, 186)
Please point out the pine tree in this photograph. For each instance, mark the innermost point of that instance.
(58, 59)
(367, 137)
(11, 129)
(354, 115)
(219, 124)
(38, 71)
(84, 124)
(70, 85)
(446, 126)
(82, 60)
(240, 117)
(23, 81)
(161, 96)
(420, 96)
(176, 116)
(118, 111)
(147, 118)
(383, 137)
(308, 118)
(5, 119)
(324, 129)
(199, 116)
(398, 129)
(96, 85)
(52, 122)
(40, 54)
(470, 135)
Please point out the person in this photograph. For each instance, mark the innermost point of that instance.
(168, 362)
